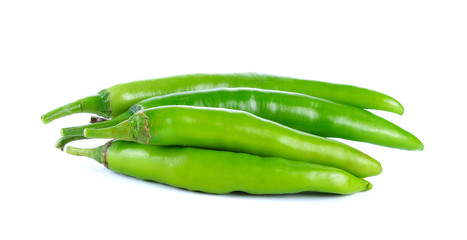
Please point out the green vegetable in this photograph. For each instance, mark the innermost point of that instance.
(221, 172)
(115, 100)
(236, 131)
(299, 111)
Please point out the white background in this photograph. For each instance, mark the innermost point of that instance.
(54, 52)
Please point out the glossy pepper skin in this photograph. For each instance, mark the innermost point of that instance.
(221, 172)
(236, 131)
(115, 100)
(302, 112)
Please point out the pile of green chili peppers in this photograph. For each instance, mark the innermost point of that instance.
(254, 133)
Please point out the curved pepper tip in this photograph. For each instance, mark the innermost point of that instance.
(369, 186)
(398, 108)
(421, 147)
(417, 144)
(379, 170)
(400, 111)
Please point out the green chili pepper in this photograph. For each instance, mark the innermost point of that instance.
(299, 111)
(237, 131)
(115, 100)
(221, 172)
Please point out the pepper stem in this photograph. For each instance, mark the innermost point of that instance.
(60, 144)
(71, 108)
(94, 153)
(96, 119)
(98, 104)
(79, 131)
(122, 131)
